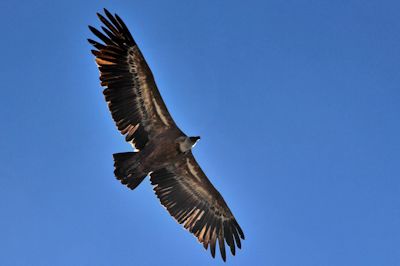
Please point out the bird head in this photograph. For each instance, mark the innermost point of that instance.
(186, 143)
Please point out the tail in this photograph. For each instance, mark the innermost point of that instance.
(127, 169)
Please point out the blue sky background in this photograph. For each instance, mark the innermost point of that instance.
(297, 104)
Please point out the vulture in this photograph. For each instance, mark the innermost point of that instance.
(161, 150)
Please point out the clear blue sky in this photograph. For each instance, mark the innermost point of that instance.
(297, 104)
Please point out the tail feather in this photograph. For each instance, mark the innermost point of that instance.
(127, 169)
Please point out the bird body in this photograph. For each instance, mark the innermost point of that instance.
(154, 156)
(162, 150)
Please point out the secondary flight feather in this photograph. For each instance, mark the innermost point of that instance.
(163, 151)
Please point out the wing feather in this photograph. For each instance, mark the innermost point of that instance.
(192, 200)
(130, 90)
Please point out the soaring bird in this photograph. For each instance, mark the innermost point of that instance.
(162, 151)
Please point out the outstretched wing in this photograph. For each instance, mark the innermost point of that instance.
(192, 200)
(131, 92)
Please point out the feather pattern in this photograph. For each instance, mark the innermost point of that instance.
(130, 90)
(193, 201)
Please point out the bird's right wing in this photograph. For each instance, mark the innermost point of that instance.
(131, 92)
(193, 201)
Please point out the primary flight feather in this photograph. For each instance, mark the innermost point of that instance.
(163, 151)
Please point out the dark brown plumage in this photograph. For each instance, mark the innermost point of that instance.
(164, 150)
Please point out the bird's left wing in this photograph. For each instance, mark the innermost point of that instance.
(131, 92)
(193, 201)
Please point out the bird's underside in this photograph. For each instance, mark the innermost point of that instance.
(163, 150)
